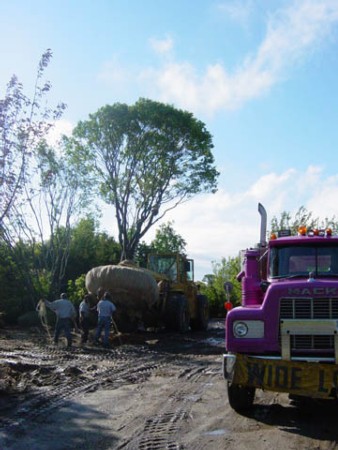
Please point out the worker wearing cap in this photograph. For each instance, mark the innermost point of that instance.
(65, 317)
(105, 310)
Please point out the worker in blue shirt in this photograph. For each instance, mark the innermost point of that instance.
(105, 309)
(65, 317)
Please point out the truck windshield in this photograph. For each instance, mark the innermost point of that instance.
(293, 261)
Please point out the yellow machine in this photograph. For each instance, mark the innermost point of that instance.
(162, 295)
(180, 305)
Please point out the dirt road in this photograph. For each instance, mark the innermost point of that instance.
(149, 391)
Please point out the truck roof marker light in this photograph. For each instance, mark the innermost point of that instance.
(273, 236)
(302, 231)
(328, 232)
(284, 233)
(316, 232)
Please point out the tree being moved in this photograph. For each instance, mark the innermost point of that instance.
(147, 159)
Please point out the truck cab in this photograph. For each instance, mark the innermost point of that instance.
(284, 336)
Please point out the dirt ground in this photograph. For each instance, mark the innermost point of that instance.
(149, 391)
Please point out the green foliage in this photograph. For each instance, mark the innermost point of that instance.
(142, 252)
(167, 240)
(76, 289)
(302, 217)
(213, 287)
(147, 159)
(90, 248)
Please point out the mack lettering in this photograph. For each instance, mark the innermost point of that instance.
(332, 291)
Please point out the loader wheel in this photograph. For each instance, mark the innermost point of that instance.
(202, 320)
(125, 323)
(177, 313)
(241, 398)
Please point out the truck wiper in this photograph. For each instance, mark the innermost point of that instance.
(327, 275)
(287, 277)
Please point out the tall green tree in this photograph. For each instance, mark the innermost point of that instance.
(147, 159)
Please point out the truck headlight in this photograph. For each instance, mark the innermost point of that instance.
(240, 329)
(249, 329)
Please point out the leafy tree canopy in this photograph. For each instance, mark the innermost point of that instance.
(147, 159)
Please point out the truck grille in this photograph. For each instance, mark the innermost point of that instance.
(310, 308)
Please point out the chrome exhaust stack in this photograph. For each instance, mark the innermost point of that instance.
(263, 214)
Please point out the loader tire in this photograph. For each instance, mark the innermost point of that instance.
(125, 323)
(200, 323)
(177, 313)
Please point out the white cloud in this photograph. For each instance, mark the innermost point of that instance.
(61, 127)
(291, 35)
(217, 226)
(162, 46)
(237, 11)
(220, 225)
(114, 73)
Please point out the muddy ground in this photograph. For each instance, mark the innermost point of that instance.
(149, 391)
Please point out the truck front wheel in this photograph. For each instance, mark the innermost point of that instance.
(241, 398)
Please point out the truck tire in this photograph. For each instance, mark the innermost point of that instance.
(241, 398)
(202, 320)
(177, 313)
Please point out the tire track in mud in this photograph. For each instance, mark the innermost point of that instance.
(102, 369)
(161, 430)
(110, 368)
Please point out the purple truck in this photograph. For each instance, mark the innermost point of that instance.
(284, 336)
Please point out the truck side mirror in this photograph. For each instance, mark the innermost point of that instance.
(264, 285)
(228, 286)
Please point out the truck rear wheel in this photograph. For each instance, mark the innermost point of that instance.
(241, 398)
(177, 313)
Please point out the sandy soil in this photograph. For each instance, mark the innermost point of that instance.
(149, 391)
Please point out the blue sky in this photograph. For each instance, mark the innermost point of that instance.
(261, 74)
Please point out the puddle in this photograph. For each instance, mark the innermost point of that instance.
(216, 433)
(214, 341)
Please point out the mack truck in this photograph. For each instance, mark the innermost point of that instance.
(162, 295)
(284, 336)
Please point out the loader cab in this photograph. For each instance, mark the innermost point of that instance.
(174, 266)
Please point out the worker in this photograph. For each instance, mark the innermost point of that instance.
(65, 317)
(84, 318)
(105, 310)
